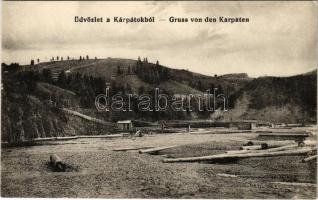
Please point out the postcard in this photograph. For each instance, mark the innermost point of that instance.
(159, 99)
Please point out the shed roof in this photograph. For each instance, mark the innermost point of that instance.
(124, 122)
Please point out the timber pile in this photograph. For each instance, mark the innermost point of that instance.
(281, 148)
(256, 145)
(286, 134)
(269, 149)
(301, 151)
(300, 136)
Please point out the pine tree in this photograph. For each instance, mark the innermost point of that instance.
(62, 78)
(118, 70)
(47, 75)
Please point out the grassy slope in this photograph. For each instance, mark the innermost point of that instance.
(281, 99)
(268, 98)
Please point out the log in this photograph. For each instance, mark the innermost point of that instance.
(101, 136)
(57, 162)
(310, 158)
(255, 147)
(237, 151)
(66, 138)
(283, 134)
(155, 150)
(271, 142)
(266, 145)
(238, 156)
(44, 139)
(227, 175)
(296, 184)
(286, 147)
(281, 148)
(310, 142)
(131, 148)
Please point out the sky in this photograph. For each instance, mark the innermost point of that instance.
(279, 40)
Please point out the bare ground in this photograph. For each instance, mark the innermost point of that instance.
(95, 171)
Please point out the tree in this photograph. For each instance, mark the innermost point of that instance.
(212, 87)
(38, 60)
(157, 63)
(141, 90)
(200, 85)
(220, 89)
(61, 78)
(129, 89)
(68, 58)
(80, 58)
(119, 70)
(47, 75)
(139, 63)
(61, 58)
(32, 62)
(57, 58)
(87, 57)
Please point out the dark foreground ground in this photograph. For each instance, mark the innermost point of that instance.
(95, 171)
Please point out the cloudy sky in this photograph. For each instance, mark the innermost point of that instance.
(280, 39)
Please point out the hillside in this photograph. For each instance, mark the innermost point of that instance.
(33, 95)
(278, 99)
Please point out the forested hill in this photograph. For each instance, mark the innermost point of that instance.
(33, 94)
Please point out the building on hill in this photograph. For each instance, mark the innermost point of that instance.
(125, 125)
(245, 124)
